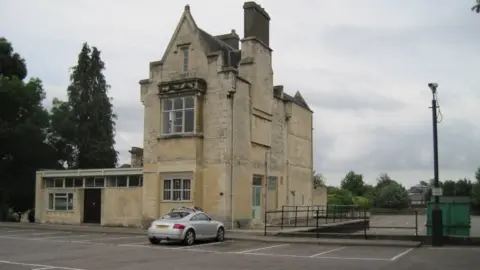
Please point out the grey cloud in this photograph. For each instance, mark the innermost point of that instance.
(397, 149)
(359, 99)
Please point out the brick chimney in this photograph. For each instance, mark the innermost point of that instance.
(256, 22)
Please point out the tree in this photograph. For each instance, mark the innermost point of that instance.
(85, 124)
(392, 195)
(23, 132)
(383, 180)
(476, 8)
(318, 180)
(463, 187)
(353, 182)
(476, 189)
(449, 188)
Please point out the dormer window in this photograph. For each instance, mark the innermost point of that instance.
(184, 51)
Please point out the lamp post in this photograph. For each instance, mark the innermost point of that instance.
(437, 219)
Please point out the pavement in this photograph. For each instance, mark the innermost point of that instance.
(239, 235)
(40, 249)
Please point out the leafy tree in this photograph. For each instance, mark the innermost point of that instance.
(476, 189)
(476, 8)
(353, 182)
(383, 180)
(23, 132)
(318, 180)
(332, 189)
(449, 188)
(424, 183)
(463, 187)
(83, 128)
(393, 195)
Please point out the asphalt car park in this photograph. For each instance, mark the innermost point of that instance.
(67, 250)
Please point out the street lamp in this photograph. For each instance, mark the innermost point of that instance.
(437, 219)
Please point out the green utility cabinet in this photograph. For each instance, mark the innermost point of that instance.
(455, 215)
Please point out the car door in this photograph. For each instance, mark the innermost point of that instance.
(198, 223)
(211, 226)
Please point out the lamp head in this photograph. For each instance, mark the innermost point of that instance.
(433, 87)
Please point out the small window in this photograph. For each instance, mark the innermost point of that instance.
(60, 201)
(272, 183)
(185, 58)
(134, 181)
(78, 182)
(121, 181)
(49, 183)
(89, 182)
(177, 189)
(111, 181)
(58, 182)
(99, 182)
(69, 182)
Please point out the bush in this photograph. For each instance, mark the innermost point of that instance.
(394, 196)
(363, 203)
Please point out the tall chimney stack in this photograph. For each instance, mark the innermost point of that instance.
(256, 22)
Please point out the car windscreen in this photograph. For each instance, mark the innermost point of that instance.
(176, 215)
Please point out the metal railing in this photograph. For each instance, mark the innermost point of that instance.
(348, 217)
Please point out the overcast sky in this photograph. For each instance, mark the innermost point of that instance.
(363, 67)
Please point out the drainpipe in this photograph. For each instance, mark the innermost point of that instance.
(231, 95)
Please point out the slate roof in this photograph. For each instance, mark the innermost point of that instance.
(231, 56)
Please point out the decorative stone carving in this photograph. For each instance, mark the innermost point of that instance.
(182, 86)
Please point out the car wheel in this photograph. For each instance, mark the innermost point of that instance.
(220, 234)
(154, 241)
(189, 238)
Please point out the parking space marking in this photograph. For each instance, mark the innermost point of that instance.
(401, 254)
(257, 249)
(456, 248)
(119, 238)
(353, 258)
(61, 236)
(326, 252)
(205, 244)
(49, 233)
(24, 230)
(39, 266)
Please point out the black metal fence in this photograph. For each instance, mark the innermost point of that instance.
(341, 219)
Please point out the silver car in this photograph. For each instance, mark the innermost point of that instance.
(186, 224)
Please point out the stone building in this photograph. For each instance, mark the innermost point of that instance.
(217, 133)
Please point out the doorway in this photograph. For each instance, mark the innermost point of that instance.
(92, 206)
(257, 198)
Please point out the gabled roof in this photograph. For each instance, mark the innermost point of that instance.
(231, 56)
(297, 99)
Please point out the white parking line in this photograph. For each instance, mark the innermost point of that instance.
(401, 254)
(326, 252)
(204, 244)
(61, 236)
(119, 238)
(39, 266)
(48, 233)
(256, 249)
(24, 230)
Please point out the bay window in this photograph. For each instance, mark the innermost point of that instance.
(178, 115)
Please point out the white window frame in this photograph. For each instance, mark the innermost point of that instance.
(183, 191)
(172, 111)
(68, 196)
(112, 181)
